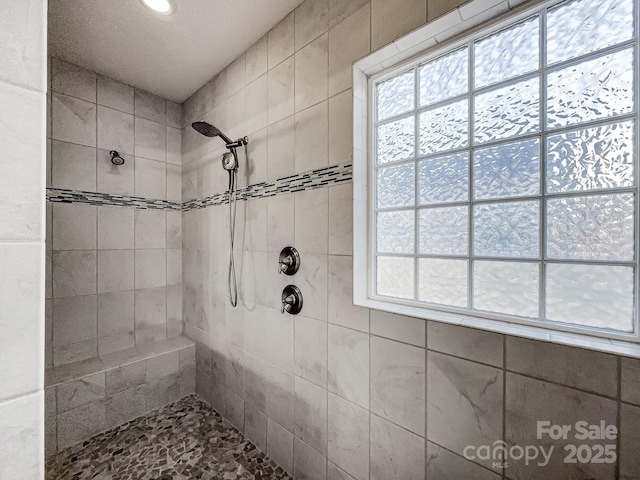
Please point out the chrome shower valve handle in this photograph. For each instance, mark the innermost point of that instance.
(291, 300)
(288, 261)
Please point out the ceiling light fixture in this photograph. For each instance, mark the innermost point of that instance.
(163, 7)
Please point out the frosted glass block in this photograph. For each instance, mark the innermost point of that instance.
(445, 77)
(396, 95)
(444, 231)
(395, 277)
(507, 111)
(395, 232)
(396, 140)
(579, 27)
(443, 281)
(598, 88)
(591, 159)
(598, 227)
(508, 53)
(592, 295)
(444, 179)
(396, 186)
(507, 229)
(444, 128)
(506, 287)
(507, 170)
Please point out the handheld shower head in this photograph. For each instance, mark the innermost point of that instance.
(209, 130)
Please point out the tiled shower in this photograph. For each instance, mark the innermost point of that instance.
(132, 274)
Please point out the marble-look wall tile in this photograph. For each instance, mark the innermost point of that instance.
(348, 41)
(73, 166)
(348, 437)
(115, 228)
(115, 313)
(398, 327)
(280, 445)
(115, 130)
(341, 128)
(124, 406)
(114, 94)
(281, 41)
(311, 21)
(235, 410)
(174, 114)
(236, 75)
(281, 149)
(307, 463)
(115, 270)
(348, 362)
(341, 220)
(256, 59)
(21, 436)
(150, 139)
(74, 227)
(74, 273)
(445, 465)
(529, 401)
(74, 394)
(280, 222)
(340, 10)
(257, 105)
(464, 402)
(151, 268)
(437, 8)
(630, 388)
(73, 120)
(629, 442)
(125, 377)
(22, 49)
(50, 422)
(312, 281)
(391, 20)
(74, 319)
(396, 454)
(174, 145)
(80, 423)
(584, 369)
(23, 162)
(150, 229)
(281, 91)
(341, 310)
(311, 73)
(72, 80)
(21, 319)
(311, 350)
(398, 383)
(150, 106)
(311, 229)
(150, 179)
(311, 414)
(468, 343)
(255, 426)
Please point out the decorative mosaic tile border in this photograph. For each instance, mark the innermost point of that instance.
(295, 183)
(60, 195)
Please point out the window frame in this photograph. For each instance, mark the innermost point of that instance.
(446, 34)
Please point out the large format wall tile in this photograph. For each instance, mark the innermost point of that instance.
(529, 401)
(468, 343)
(395, 453)
(348, 364)
(584, 369)
(464, 403)
(445, 465)
(73, 120)
(21, 437)
(348, 437)
(398, 383)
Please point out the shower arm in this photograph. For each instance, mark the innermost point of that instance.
(238, 143)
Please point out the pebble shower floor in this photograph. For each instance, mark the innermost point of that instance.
(184, 440)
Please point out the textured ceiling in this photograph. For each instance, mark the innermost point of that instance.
(171, 56)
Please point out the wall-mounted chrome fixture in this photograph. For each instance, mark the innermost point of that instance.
(116, 159)
(291, 300)
(230, 164)
(289, 261)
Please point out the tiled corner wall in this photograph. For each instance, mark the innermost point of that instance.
(114, 272)
(23, 70)
(123, 386)
(340, 392)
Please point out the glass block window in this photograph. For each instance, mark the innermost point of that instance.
(504, 179)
